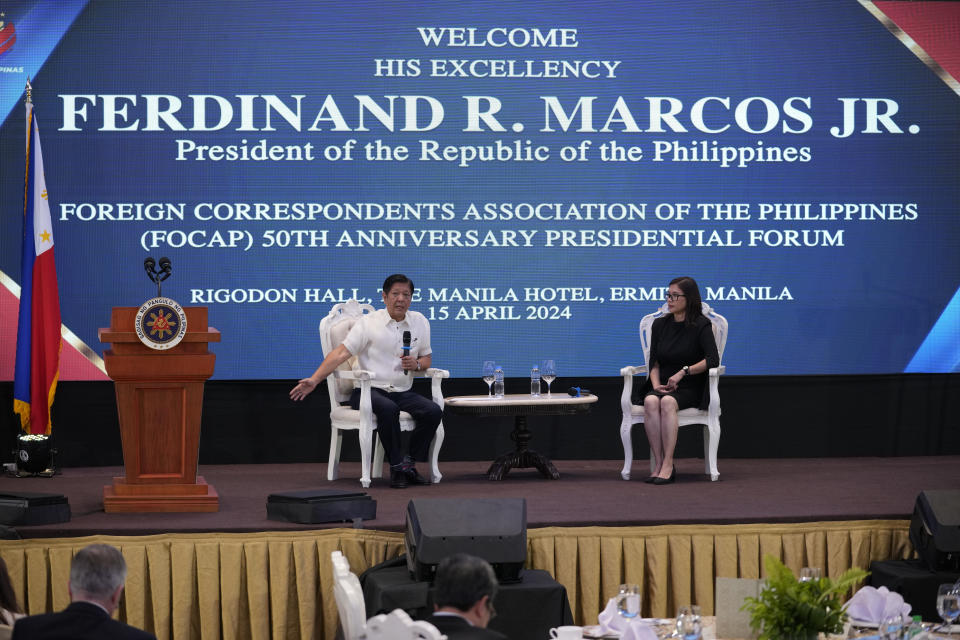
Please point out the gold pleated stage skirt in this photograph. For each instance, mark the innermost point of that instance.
(278, 584)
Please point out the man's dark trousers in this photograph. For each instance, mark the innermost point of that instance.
(387, 407)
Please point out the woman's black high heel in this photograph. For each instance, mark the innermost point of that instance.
(673, 476)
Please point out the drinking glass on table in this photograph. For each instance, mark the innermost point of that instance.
(893, 627)
(809, 574)
(548, 373)
(489, 367)
(948, 603)
(689, 625)
(628, 601)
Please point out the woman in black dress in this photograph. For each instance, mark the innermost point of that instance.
(682, 350)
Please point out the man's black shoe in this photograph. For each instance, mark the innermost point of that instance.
(413, 477)
(398, 479)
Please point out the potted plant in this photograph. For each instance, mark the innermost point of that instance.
(789, 609)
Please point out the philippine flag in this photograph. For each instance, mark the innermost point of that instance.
(38, 331)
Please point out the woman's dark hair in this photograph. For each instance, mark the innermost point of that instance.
(692, 293)
(395, 279)
(8, 600)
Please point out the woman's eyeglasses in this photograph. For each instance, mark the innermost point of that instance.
(674, 296)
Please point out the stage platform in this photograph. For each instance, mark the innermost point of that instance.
(589, 493)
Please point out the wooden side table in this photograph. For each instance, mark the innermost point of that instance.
(520, 406)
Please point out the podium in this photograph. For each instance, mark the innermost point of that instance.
(159, 401)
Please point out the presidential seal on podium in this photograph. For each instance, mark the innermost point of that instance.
(161, 323)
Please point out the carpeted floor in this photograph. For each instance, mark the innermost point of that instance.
(588, 493)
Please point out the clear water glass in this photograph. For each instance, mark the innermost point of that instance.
(808, 574)
(628, 600)
(689, 623)
(548, 373)
(489, 367)
(893, 627)
(948, 603)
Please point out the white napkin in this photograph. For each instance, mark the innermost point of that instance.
(627, 628)
(876, 605)
(639, 630)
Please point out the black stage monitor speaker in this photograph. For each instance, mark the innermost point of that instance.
(320, 505)
(8, 533)
(935, 529)
(24, 509)
(494, 529)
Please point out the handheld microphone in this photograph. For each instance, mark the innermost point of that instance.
(406, 348)
(148, 266)
(577, 392)
(165, 269)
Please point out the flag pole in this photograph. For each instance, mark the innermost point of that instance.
(39, 339)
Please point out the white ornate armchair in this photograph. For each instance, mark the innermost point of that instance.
(397, 625)
(352, 611)
(333, 330)
(710, 419)
(349, 597)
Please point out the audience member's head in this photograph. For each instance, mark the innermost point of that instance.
(466, 585)
(8, 599)
(97, 574)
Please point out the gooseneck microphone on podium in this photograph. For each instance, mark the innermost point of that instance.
(165, 269)
(150, 266)
(406, 348)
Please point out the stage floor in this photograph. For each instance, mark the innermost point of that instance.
(588, 493)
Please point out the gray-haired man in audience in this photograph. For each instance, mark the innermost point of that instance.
(97, 576)
(464, 589)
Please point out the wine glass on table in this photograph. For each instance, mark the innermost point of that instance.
(489, 367)
(948, 603)
(548, 373)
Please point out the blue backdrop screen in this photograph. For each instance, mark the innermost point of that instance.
(541, 170)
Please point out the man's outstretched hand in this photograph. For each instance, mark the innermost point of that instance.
(304, 388)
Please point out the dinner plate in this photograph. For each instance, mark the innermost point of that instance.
(864, 624)
(596, 631)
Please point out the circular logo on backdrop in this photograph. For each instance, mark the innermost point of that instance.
(161, 323)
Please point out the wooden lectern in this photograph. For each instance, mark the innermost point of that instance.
(159, 400)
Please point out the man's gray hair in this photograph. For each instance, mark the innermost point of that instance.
(97, 570)
(462, 580)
